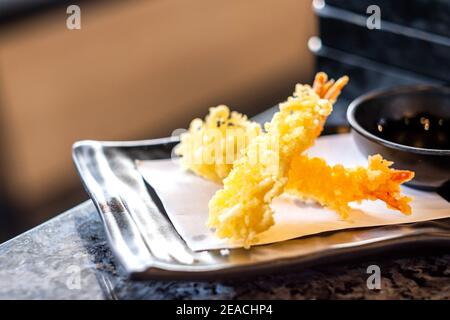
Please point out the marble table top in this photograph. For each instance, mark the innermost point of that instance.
(68, 258)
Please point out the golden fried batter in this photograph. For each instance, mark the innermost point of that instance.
(210, 147)
(241, 209)
(335, 186)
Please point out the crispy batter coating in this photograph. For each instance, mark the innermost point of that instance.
(241, 209)
(264, 165)
(335, 186)
(210, 147)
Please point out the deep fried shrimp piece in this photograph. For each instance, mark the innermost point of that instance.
(335, 186)
(210, 147)
(241, 209)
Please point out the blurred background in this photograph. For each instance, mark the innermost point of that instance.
(135, 69)
(141, 68)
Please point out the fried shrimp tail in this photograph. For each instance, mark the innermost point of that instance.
(320, 80)
(329, 89)
(335, 186)
(241, 209)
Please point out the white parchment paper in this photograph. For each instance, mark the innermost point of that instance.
(185, 197)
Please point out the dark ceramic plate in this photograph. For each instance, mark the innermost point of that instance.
(145, 242)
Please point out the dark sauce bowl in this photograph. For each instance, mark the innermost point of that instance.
(408, 125)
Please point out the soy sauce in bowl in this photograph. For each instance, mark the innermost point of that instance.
(408, 125)
(422, 130)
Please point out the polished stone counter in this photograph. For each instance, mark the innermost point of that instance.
(68, 258)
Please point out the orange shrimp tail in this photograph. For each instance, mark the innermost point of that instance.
(328, 89)
(393, 198)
